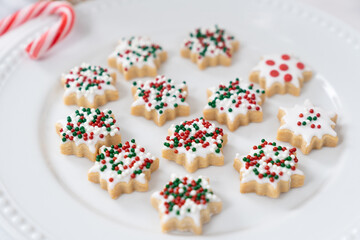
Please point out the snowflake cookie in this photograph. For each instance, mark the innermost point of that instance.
(160, 99)
(85, 131)
(137, 57)
(89, 86)
(209, 47)
(280, 74)
(195, 144)
(235, 104)
(269, 169)
(307, 127)
(185, 204)
(123, 168)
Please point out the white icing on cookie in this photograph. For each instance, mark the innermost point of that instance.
(268, 163)
(194, 138)
(188, 205)
(88, 126)
(122, 162)
(235, 98)
(209, 42)
(88, 81)
(160, 94)
(308, 121)
(136, 51)
(281, 68)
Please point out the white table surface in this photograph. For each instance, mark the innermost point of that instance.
(346, 10)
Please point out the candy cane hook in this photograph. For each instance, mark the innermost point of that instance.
(53, 35)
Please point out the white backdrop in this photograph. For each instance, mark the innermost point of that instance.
(346, 10)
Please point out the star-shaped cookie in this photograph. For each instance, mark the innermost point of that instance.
(86, 130)
(89, 86)
(123, 168)
(137, 57)
(307, 127)
(160, 99)
(186, 203)
(209, 47)
(280, 74)
(235, 104)
(268, 169)
(195, 144)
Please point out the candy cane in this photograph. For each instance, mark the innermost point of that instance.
(53, 35)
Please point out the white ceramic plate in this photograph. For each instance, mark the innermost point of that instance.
(46, 195)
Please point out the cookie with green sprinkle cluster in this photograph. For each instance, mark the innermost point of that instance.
(89, 86)
(195, 144)
(269, 169)
(186, 203)
(234, 104)
(307, 127)
(123, 168)
(209, 47)
(137, 57)
(160, 99)
(86, 130)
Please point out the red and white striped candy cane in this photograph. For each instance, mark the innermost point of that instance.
(53, 35)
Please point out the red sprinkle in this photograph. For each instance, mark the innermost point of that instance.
(283, 67)
(270, 62)
(300, 65)
(287, 77)
(285, 57)
(274, 73)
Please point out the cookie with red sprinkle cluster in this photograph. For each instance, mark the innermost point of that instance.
(195, 144)
(209, 47)
(280, 74)
(269, 169)
(137, 57)
(234, 104)
(123, 168)
(86, 130)
(160, 99)
(89, 86)
(307, 127)
(185, 204)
